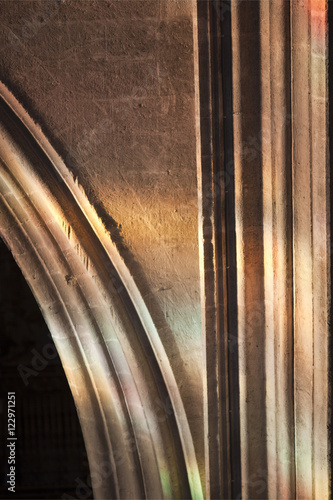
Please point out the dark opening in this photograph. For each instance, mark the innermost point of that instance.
(49, 452)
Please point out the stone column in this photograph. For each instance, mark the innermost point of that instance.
(311, 245)
(282, 233)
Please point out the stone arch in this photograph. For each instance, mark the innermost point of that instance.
(135, 428)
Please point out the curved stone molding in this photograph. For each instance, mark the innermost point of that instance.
(116, 366)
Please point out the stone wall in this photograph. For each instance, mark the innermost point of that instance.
(111, 84)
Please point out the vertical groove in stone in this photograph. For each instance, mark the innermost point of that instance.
(247, 75)
(220, 262)
(230, 245)
(217, 227)
(208, 269)
(239, 191)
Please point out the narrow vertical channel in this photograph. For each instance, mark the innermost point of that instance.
(230, 232)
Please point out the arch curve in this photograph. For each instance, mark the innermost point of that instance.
(134, 424)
